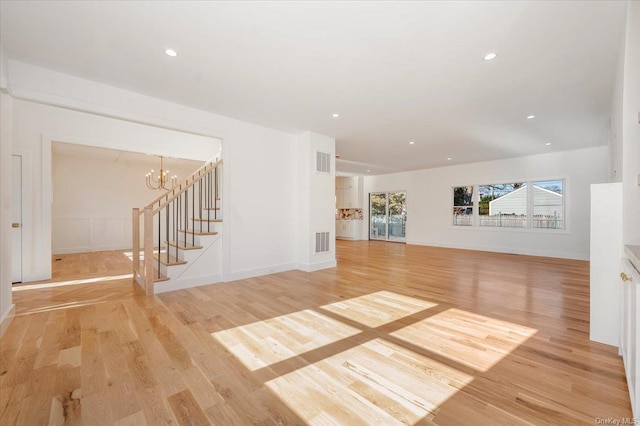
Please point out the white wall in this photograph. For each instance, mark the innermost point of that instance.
(631, 128)
(429, 198)
(624, 149)
(615, 121)
(259, 170)
(5, 195)
(4, 65)
(93, 198)
(5, 207)
(259, 173)
(36, 126)
(315, 210)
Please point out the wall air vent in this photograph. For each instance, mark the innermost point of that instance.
(322, 242)
(323, 162)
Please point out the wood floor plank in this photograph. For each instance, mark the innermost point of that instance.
(396, 334)
(11, 400)
(186, 409)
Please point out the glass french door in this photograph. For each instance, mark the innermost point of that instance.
(387, 216)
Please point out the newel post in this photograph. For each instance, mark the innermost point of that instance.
(135, 236)
(148, 251)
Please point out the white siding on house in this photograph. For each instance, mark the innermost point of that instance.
(545, 202)
(513, 203)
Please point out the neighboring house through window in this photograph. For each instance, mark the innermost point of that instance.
(537, 204)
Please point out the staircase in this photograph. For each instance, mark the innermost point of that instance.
(177, 237)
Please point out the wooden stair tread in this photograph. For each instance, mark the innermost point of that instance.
(158, 278)
(182, 245)
(211, 208)
(200, 219)
(172, 260)
(191, 231)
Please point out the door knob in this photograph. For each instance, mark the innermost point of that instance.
(624, 277)
(15, 225)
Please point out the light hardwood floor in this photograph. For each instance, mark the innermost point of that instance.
(394, 334)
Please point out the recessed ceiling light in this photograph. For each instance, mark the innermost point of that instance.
(368, 170)
(412, 142)
(335, 115)
(449, 158)
(490, 56)
(548, 143)
(171, 52)
(529, 117)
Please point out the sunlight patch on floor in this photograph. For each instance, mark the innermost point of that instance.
(470, 339)
(264, 343)
(72, 282)
(62, 306)
(129, 254)
(376, 382)
(376, 309)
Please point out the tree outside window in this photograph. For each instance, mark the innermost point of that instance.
(463, 205)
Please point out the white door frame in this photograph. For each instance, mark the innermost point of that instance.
(16, 222)
(27, 207)
(387, 218)
(386, 215)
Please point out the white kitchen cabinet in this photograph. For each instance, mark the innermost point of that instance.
(348, 229)
(340, 228)
(351, 200)
(348, 193)
(340, 198)
(630, 332)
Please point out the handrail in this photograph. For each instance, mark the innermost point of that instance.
(216, 158)
(188, 185)
(194, 199)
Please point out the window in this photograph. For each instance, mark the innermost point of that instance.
(463, 205)
(548, 204)
(534, 204)
(503, 205)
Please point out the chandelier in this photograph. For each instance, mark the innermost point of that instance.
(162, 180)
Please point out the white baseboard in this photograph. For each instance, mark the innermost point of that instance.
(6, 319)
(28, 278)
(526, 252)
(311, 267)
(257, 272)
(164, 286)
(72, 250)
(171, 285)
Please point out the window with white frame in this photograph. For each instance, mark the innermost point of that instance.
(503, 205)
(534, 204)
(463, 205)
(548, 204)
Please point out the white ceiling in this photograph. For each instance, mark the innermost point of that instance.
(118, 156)
(394, 71)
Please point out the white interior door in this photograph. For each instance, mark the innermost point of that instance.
(16, 219)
